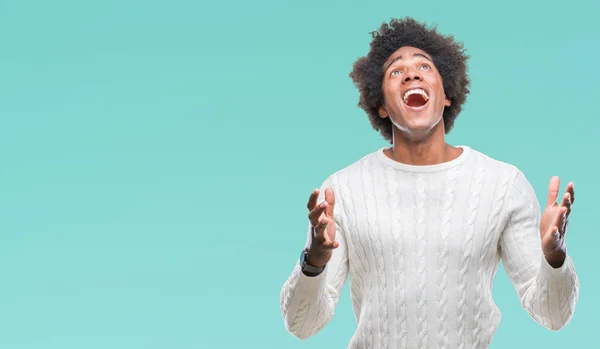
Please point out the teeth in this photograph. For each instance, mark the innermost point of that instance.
(413, 91)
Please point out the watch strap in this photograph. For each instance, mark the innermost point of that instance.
(307, 269)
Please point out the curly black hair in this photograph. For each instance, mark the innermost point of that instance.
(448, 56)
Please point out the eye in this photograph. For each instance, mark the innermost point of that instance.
(395, 72)
(424, 67)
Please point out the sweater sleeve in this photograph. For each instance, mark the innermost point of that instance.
(548, 294)
(308, 303)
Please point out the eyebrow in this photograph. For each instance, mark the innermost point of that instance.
(400, 57)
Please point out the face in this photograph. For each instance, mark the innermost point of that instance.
(413, 92)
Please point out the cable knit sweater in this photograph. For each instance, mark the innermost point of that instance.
(421, 246)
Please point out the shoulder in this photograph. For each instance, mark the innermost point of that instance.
(503, 170)
(510, 178)
(513, 192)
(346, 179)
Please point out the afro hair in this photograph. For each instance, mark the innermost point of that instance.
(448, 56)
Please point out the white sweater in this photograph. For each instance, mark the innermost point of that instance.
(421, 245)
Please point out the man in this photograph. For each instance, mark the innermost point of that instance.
(422, 226)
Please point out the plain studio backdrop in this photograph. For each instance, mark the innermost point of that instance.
(156, 157)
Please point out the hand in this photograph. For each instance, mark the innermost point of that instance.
(322, 228)
(553, 225)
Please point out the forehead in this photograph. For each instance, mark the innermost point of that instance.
(405, 53)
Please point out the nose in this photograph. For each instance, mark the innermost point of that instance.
(412, 75)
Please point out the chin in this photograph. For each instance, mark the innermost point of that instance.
(417, 125)
(420, 129)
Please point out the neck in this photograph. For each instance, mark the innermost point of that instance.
(430, 149)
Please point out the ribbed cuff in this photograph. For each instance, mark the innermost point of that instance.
(556, 273)
(310, 284)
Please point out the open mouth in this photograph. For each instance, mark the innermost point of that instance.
(416, 98)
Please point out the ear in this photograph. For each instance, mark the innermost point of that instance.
(383, 112)
(447, 103)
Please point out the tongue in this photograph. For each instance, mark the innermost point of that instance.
(416, 100)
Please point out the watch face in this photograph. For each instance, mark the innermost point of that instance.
(303, 257)
(308, 269)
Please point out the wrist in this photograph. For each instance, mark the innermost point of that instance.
(313, 258)
(307, 266)
(556, 260)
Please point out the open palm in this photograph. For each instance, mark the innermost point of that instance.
(323, 228)
(555, 218)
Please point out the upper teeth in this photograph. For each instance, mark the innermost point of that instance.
(413, 91)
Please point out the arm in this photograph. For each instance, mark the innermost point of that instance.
(308, 302)
(548, 294)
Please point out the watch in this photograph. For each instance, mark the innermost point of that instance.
(307, 269)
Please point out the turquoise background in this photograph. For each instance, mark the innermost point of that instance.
(156, 157)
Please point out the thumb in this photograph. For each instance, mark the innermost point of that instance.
(330, 198)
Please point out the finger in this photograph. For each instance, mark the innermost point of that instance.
(312, 200)
(566, 202)
(317, 212)
(571, 190)
(330, 199)
(560, 220)
(561, 214)
(553, 191)
(318, 235)
(320, 230)
(566, 226)
(331, 245)
(321, 237)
